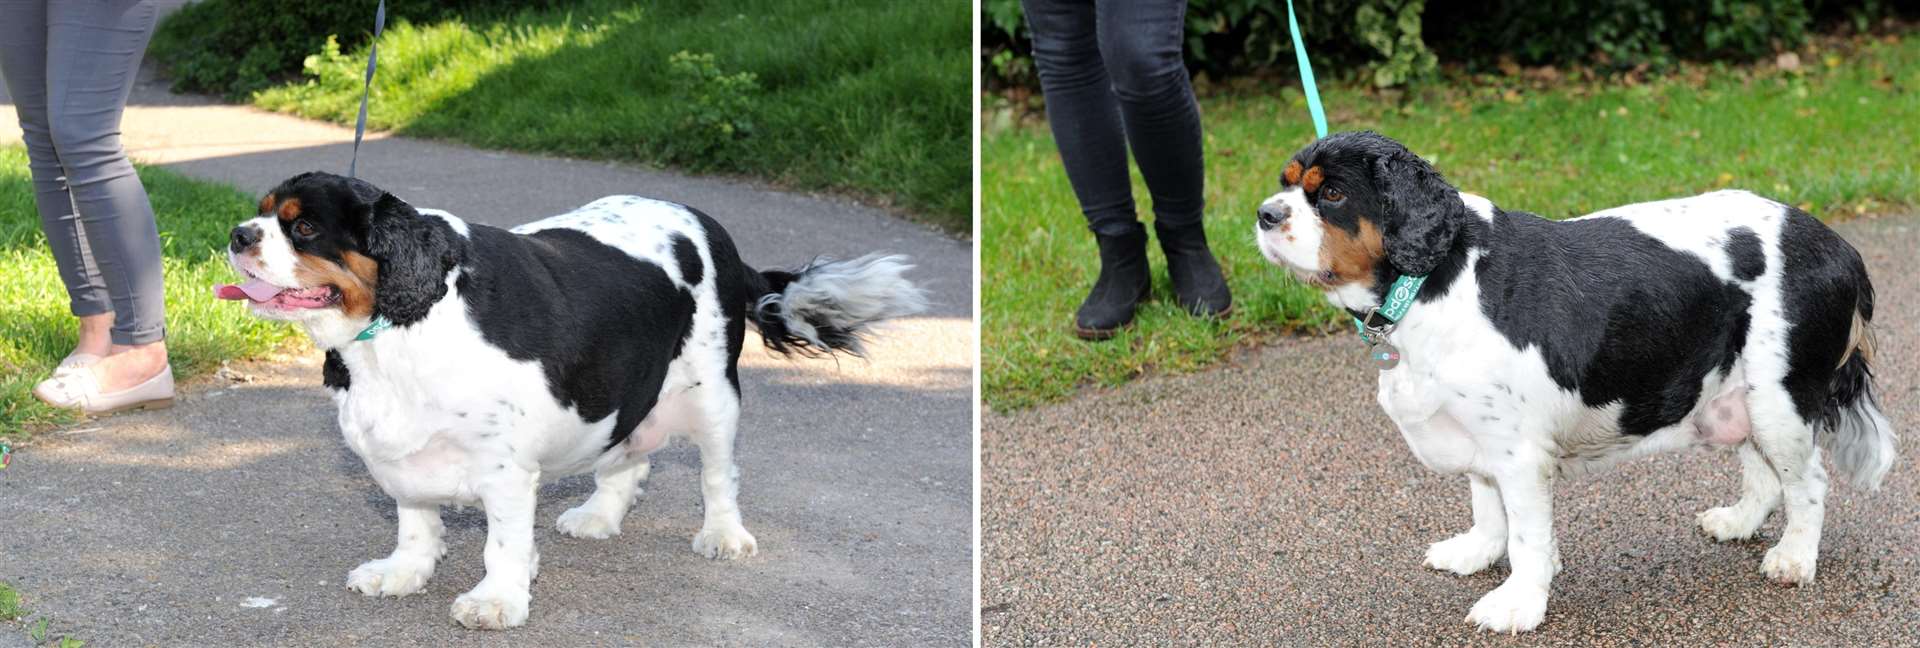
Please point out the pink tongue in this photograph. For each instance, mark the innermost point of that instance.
(254, 289)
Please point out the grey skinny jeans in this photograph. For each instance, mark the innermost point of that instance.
(69, 66)
(1114, 78)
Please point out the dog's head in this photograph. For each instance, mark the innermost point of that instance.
(1358, 208)
(326, 247)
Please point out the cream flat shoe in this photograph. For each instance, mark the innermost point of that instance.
(80, 390)
(78, 362)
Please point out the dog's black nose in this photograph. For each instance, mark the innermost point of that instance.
(1271, 216)
(243, 237)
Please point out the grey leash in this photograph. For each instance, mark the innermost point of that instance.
(373, 55)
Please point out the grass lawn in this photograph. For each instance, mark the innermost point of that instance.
(864, 96)
(37, 330)
(1835, 138)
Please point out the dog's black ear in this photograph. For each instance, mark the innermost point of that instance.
(415, 252)
(1424, 213)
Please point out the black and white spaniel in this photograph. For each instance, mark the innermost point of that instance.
(1538, 349)
(469, 362)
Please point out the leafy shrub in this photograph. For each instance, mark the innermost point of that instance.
(1396, 37)
(1230, 36)
(1621, 33)
(235, 47)
(1394, 42)
(716, 104)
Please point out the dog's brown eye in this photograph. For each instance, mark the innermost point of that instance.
(303, 229)
(1332, 195)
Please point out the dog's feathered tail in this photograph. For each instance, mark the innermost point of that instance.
(830, 306)
(1857, 436)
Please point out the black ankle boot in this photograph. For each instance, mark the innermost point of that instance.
(1198, 285)
(1124, 281)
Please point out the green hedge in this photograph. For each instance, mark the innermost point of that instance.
(1393, 42)
(234, 47)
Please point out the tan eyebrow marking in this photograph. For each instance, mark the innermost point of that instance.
(1292, 175)
(290, 209)
(1311, 183)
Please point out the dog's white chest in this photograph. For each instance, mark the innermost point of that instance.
(1413, 399)
(431, 409)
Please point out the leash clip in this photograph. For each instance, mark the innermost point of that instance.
(1371, 333)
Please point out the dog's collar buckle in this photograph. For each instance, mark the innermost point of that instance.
(1370, 332)
(1400, 297)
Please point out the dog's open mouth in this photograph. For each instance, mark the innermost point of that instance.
(260, 292)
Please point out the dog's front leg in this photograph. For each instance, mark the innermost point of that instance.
(501, 599)
(1476, 549)
(407, 569)
(1526, 490)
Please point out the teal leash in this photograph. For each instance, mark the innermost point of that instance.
(1306, 75)
(380, 322)
(366, 88)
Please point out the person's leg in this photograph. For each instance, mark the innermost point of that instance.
(1141, 41)
(93, 54)
(23, 62)
(1087, 128)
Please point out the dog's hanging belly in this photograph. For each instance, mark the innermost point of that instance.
(1724, 419)
(676, 412)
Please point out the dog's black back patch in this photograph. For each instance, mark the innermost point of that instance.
(1743, 250)
(1618, 315)
(1829, 283)
(602, 324)
(689, 259)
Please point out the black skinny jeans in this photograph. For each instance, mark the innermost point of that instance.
(1114, 76)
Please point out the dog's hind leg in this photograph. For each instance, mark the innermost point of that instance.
(1759, 495)
(407, 569)
(722, 535)
(1787, 442)
(614, 489)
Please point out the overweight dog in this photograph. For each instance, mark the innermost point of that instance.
(1516, 350)
(468, 362)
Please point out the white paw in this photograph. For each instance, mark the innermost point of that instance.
(487, 608)
(1729, 523)
(724, 542)
(584, 522)
(1789, 563)
(390, 576)
(1511, 608)
(1466, 553)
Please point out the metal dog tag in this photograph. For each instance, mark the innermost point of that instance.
(1384, 355)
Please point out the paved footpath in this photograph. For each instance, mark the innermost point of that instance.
(1270, 502)
(233, 518)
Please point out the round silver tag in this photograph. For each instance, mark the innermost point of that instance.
(1384, 355)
